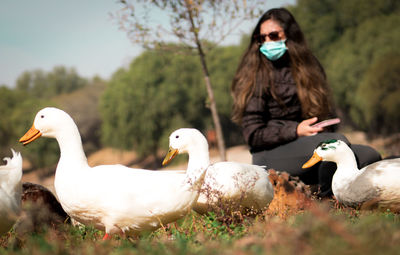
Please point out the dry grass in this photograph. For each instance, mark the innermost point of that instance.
(295, 223)
(320, 229)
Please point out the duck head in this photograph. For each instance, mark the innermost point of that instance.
(184, 140)
(48, 122)
(328, 150)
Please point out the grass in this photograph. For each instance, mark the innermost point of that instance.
(318, 230)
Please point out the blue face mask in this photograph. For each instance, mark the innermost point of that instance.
(273, 50)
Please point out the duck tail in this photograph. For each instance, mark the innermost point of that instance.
(13, 171)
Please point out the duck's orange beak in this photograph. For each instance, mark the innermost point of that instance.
(312, 161)
(30, 136)
(170, 155)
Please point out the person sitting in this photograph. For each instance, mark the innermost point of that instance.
(279, 91)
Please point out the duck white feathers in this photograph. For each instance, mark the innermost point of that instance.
(113, 198)
(246, 184)
(377, 183)
(10, 191)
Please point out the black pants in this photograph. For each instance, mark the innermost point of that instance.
(291, 156)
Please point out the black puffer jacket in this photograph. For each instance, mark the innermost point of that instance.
(266, 123)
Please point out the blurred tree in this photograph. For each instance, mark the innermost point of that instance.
(46, 85)
(351, 58)
(8, 101)
(191, 22)
(348, 37)
(224, 61)
(325, 21)
(141, 106)
(83, 105)
(16, 118)
(37, 88)
(19, 106)
(319, 22)
(378, 96)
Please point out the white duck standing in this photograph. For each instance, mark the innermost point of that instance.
(377, 183)
(247, 185)
(113, 198)
(10, 191)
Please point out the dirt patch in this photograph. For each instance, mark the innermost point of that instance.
(109, 156)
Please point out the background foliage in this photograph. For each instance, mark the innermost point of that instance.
(356, 41)
(158, 92)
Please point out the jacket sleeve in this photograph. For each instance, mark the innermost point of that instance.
(260, 131)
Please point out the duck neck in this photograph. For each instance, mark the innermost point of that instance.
(346, 163)
(71, 149)
(198, 162)
(198, 159)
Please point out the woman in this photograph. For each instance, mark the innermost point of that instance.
(280, 91)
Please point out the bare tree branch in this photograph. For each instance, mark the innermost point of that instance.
(192, 23)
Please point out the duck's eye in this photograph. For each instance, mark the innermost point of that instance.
(177, 136)
(42, 116)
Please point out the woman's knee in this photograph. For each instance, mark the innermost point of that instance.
(259, 158)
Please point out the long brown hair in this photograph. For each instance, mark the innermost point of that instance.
(312, 88)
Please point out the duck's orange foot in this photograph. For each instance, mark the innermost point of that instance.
(106, 237)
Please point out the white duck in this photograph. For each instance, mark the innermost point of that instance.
(113, 198)
(378, 182)
(246, 184)
(10, 191)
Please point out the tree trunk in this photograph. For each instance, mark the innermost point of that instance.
(217, 123)
(213, 105)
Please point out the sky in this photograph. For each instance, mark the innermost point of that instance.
(79, 34)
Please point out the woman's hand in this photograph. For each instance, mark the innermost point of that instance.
(305, 129)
